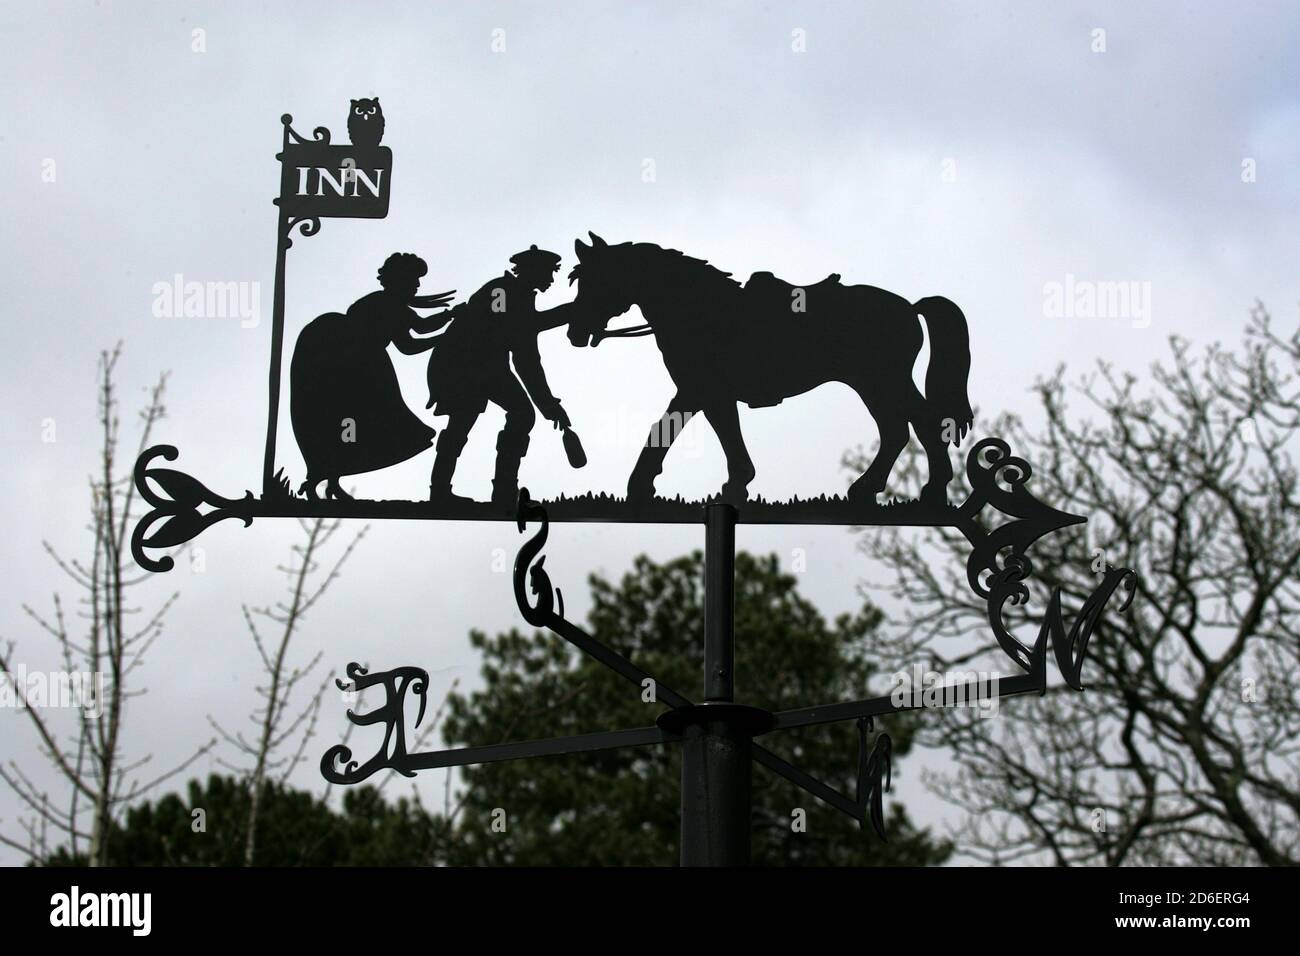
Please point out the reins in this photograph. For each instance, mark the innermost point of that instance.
(631, 332)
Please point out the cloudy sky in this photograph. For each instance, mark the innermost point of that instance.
(981, 151)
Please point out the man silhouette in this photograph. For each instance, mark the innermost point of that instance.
(471, 366)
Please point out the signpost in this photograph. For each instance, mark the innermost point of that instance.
(793, 338)
(317, 181)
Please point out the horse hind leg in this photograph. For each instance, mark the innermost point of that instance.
(930, 430)
(894, 436)
(725, 420)
(335, 491)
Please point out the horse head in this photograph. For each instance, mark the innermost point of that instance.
(604, 289)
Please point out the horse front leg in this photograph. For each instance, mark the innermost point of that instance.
(725, 420)
(641, 483)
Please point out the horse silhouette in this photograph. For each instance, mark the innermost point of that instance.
(768, 340)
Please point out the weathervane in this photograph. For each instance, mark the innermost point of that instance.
(723, 343)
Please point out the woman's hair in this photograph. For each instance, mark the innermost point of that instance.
(402, 267)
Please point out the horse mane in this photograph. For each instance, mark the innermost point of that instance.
(674, 267)
(683, 269)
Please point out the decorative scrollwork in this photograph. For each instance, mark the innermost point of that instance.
(177, 508)
(1069, 648)
(991, 462)
(997, 480)
(998, 569)
(306, 226)
(549, 604)
(872, 767)
(1008, 584)
(319, 135)
(392, 713)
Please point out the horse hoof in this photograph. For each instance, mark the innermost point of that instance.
(733, 494)
(862, 497)
(640, 492)
(934, 497)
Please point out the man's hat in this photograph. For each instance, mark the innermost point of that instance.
(534, 258)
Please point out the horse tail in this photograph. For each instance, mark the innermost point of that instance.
(945, 379)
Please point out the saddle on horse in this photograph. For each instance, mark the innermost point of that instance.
(780, 311)
(770, 294)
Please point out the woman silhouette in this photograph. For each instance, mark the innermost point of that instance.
(347, 409)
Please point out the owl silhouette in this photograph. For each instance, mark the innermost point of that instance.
(366, 122)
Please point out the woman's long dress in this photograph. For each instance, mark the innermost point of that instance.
(347, 409)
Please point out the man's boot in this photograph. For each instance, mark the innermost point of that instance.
(448, 452)
(505, 481)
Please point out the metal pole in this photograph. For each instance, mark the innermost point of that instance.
(277, 352)
(719, 602)
(715, 794)
(282, 244)
(716, 765)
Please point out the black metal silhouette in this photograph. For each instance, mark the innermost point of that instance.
(997, 480)
(718, 733)
(765, 341)
(177, 509)
(347, 409)
(723, 343)
(366, 122)
(396, 683)
(470, 367)
(318, 180)
(871, 767)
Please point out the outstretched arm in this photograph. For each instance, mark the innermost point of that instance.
(554, 318)
(528, 363)
(423, 325)
(407, 343)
